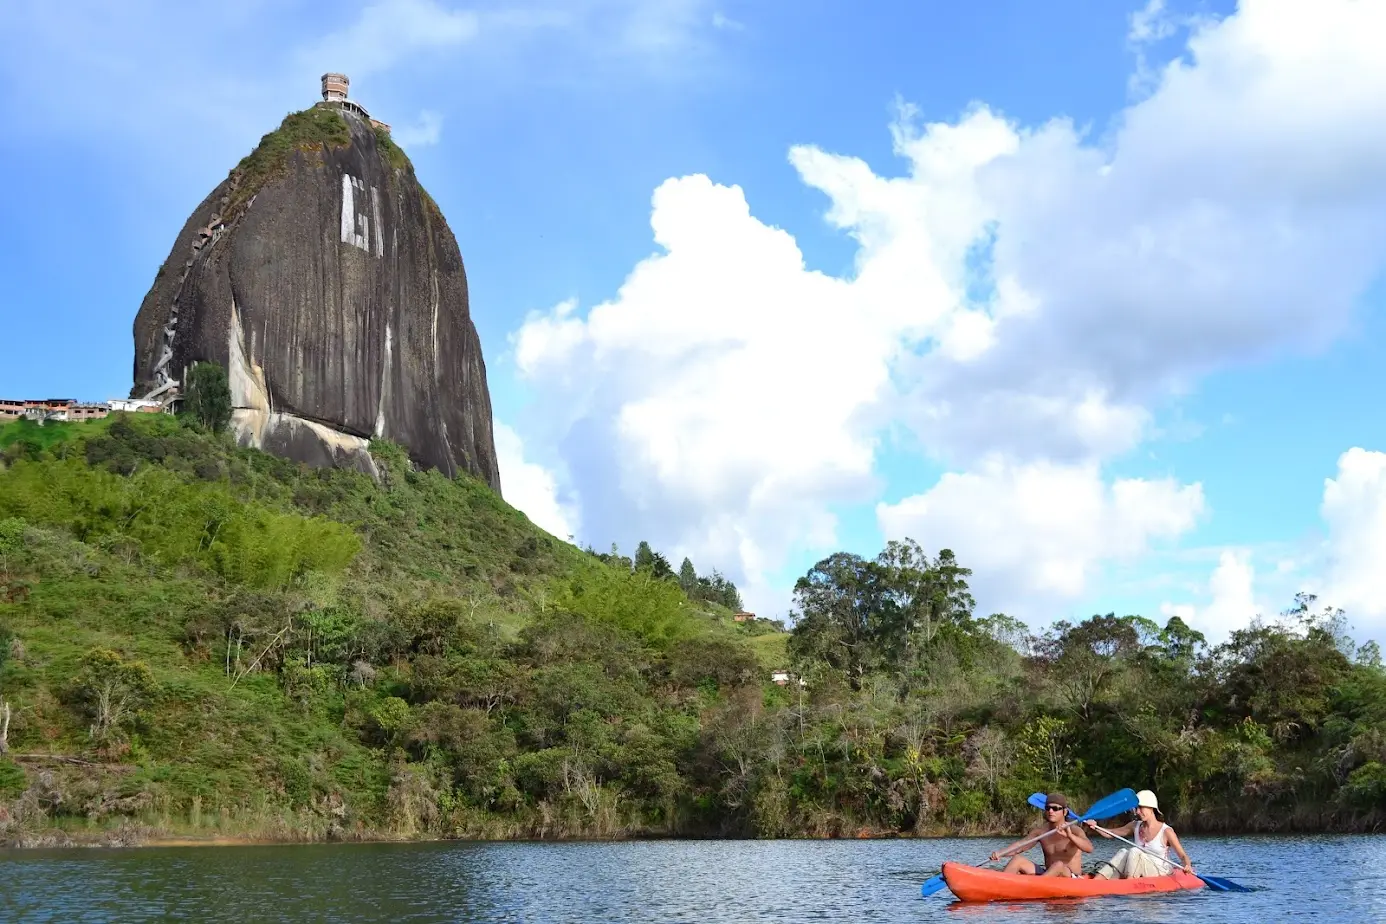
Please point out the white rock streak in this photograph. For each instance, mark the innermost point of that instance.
(356, 227)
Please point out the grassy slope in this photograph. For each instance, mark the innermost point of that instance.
(207, 754)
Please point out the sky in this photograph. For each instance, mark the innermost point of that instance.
(1090, 293)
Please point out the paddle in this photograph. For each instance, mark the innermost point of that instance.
(1217, 883)
(1115, 804)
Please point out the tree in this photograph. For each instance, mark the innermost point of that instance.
(838, 615)
(861, 615)
(1285, 681)
(919, 596)
(644, 557)
(12, 542)
(1182, 644)
(207, 397)
(111, 690)
(688, 577)
(1084, 659)
(659, 567)
(717, 589)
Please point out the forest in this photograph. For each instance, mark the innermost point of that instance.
(200, 640)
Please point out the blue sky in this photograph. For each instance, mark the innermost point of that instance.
(719, 262)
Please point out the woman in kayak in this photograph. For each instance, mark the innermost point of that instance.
(1063, 844)
(1150, 832)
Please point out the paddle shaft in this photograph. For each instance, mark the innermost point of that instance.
(1013, 851)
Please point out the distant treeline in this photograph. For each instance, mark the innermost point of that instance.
(712, 588)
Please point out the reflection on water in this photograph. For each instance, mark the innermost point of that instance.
(708, 882)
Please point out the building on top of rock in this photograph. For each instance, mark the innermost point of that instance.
(334, 94)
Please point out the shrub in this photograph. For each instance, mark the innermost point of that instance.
(207, 397)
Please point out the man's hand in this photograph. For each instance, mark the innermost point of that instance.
(995, 855)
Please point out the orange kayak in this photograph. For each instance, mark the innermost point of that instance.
(975, 884)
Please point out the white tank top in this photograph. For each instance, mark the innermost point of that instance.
(1157, 843)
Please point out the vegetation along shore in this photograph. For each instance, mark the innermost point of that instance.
(208, 643)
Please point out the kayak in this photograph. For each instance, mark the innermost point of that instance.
(977, 884)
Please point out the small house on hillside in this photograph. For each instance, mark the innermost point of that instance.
(743, 617)
(780, 678)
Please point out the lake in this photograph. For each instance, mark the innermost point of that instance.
(709, 882)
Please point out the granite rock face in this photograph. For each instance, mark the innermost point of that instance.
(325, 280)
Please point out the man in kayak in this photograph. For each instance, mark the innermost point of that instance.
(1063, 844)
(1150, 833)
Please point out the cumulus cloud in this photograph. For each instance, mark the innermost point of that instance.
(531, 488)
(1036, 532)
(729, 398)
(1354, 511)
(1231, 602)
(1343, 570)
(692, 389)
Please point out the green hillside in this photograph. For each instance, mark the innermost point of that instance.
(210, 639)
(199, 640)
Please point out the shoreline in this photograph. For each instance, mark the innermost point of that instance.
(125, 839)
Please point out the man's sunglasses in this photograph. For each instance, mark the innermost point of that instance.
(1055, 808)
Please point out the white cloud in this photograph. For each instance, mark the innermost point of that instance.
(531, 488)
(390, 30)
(708, 391)
(1034, 534)
(1151, 23)
(1354, 510)
(426, 131)
(729, 398)
(1232, 599)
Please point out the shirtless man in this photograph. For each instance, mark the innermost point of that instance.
(1063, 844)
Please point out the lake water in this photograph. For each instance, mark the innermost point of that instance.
(708, 882)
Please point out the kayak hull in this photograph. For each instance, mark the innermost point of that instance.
(976, 884)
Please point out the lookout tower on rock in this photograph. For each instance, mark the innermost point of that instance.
(334, 87)
(334, 95)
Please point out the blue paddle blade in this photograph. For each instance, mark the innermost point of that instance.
(1223, 885)
(1115, 804)
(935, 884)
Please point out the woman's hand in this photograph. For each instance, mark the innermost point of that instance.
(995, 855)
(1188, 866)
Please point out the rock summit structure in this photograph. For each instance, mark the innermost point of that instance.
(324, 278)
